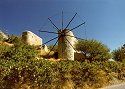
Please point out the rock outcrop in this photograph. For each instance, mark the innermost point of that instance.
(3, 35)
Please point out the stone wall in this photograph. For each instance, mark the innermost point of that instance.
(30, 38)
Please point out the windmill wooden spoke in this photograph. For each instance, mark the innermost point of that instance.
(70, 21)
(48, 32)
(53, 47)
(77, 26)
(50, 40)
(71, 45)
(53, 24)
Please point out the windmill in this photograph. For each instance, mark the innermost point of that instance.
(65, 39)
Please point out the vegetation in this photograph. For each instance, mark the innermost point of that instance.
(93, 50)
(44, 74)
(19, 68)
(1, 38)
(16, 40)
(119, 54)
(22, 52)
(53, 48)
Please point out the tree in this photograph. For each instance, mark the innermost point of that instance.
(93, 50)
(119, 54)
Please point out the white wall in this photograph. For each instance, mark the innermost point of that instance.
(31, 38)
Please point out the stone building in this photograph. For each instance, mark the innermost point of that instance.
(30, 38)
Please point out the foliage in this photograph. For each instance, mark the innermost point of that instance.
(3, 49)
(1, 38)
(16, 40)
(119, 54)
(17, 52)
(53, 48)
(93, 50)
(19, 65)
(57, 75)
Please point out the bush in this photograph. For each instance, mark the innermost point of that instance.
(17, 65)
(93, 50)
(20, 52)
(119, 54)
(16, 40)
(52, 75)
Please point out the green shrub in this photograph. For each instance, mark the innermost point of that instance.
(21, 52)
(18, 65)
(93, 50)
(51, 75)
(16, 40)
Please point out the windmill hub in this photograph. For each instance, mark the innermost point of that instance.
(63, 32)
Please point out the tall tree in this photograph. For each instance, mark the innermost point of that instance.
(93, 50)
(119, 54)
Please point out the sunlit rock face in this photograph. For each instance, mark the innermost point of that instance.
(30, 38)
(3, 35)
(66, 43)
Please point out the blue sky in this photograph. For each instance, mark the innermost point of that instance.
(105, 19)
